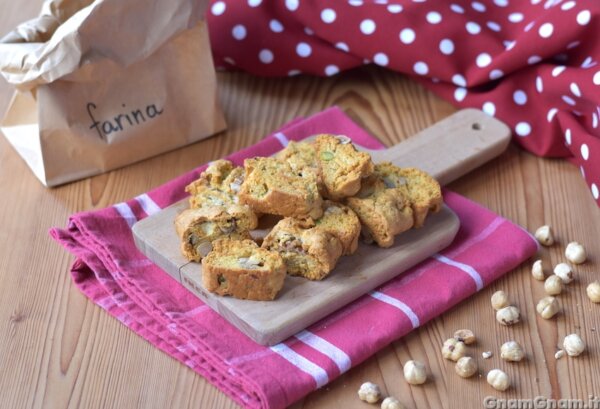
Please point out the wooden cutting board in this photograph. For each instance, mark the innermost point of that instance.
(447, 150)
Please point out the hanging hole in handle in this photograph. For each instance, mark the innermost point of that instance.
(476, 126)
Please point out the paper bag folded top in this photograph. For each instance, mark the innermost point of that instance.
(106, 83)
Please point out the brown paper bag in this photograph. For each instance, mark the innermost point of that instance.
(107, 83)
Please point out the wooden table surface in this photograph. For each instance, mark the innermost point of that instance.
(59, 350)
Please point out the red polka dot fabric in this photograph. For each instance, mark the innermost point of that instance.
(531, 63)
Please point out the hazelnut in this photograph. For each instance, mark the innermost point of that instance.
(391, 403)
(414, 372)
(466, 367)
(453, 349)
(575, 253)
(369, 392)
(499, 300)
(573, 345)
(559, 354)
(498, 379)
(593, 291)
(544, 235)
(547, 307)
(553, 285)
(508, 315)
(465, 335)
(564, 272)
(512, 351)
(487, 354)
(537, 270)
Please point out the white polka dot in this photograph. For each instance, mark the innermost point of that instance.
(275, 26)
(460, 94)
(218, 8)
(421, 68)
(381, 1)
(367, 26)
(575, 89)
(536, 1)
(473, 28)
(495, 74)
(477, 6)
(407, 35)
(342, 46)
(583, 17)
(239, 32)
(551, 114)
(381, 59)
(568, 100)
(292, 73)
(595, 192)
(265, 56)
(573, 45)
(551, 3)
(588, 62)
(510, 44)
(539, 85)
(489, 108)
(582, 171)
(568, 136)
(446, 46)
(394, 8)
(303, 50)
(492, 25)
(568, 5)
(229, 60)
(433, 17)
(594, 120)
(546, 30)
(331, 70)
(515, 17)
(483, 60)
(355, 3)
(309, 31)
(328, 16)
(254, 3)
(457, 9)
(585, 151)
(292, 5)
(523, 129)
(556, 71)
(534, 59)
(501, 3)
(529, 26)
(520, 97)
(459, 80)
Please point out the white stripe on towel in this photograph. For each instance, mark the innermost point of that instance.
(414, 319)
(464, 267)
(125, 211)
(282, 139)
(341, 359)
(314, 370)
(149, 205)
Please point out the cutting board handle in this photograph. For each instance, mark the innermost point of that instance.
(454, 146)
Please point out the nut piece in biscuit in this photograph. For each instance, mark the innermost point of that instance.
(218, 185)
(306, 249)
(342, 167)
(198, 228)
(423, 191)
(241, 269)
(271, 186)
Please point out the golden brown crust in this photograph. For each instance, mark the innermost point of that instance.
(342, 222)
(241, 269)
(218, 185)
(306, 249)
(341, 166)
(271, 186)
(423, 191)
(198, 228)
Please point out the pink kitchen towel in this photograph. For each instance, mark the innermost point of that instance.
(531, 63)
(115, 275)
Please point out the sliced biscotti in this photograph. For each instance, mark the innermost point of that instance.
(218, 185)
(198, 228)
(272, 186)
(383, 212)
(299, 155)
(306, 249)
(241, 269)
(343, 223)
(341, 166)
(423, 191)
